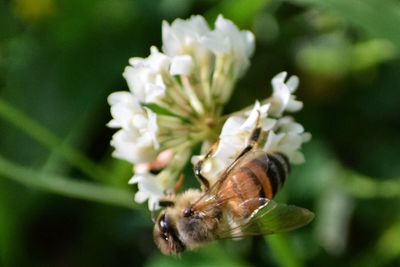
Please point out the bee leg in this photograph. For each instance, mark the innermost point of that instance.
(199, 166)
(253, 140)
(251, 143)
(202, 179)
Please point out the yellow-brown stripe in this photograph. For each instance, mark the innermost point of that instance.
(269, 172)
(259, 169)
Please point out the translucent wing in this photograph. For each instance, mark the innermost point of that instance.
(224, 196)
(270, 218)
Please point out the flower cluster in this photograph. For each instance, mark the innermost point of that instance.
(175, 101)
(283, 134)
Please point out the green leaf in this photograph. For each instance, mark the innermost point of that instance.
(378, 18)
(240, 11)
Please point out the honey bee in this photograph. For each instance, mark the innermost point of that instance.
(238, 204)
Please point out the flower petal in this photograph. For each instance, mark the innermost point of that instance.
(181, 65)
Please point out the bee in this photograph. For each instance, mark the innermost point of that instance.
(238, 204)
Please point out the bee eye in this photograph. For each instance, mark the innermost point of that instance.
(187, 212)
(164, 227)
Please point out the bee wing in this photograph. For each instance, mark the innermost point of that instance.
(270, 218)
(215, 187)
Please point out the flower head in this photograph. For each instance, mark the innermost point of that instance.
(175, 102)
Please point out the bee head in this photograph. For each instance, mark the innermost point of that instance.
(166, 235)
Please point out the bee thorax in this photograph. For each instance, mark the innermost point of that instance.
(197, 229)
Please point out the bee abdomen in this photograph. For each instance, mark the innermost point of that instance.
(278, 168)
(271, 174)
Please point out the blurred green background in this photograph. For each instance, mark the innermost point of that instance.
(65, 202)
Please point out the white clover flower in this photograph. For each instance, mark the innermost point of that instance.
(149, 189)
(136, 141)
(133, 148)
(153, 187)
(144, 76)
(183, 37)
(287, 139)
(233, 139)
(198, 69)
(220, 56)
(284, 135)
(175, 102)
(282, 98)
(232, 49)
(227, 40)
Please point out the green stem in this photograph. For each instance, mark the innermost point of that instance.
(51, 141)
(362, 186)
(66, 186)
(283, 252)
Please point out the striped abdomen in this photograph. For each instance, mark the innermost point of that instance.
(257, 176)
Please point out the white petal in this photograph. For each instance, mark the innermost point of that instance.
(181, 65)
(231, 126)
(228, 148)
(225, 25)
(271, 145)
(113, 124)
(279, 79)
(139, 120)
(153, 203)
(184, 35)
(217, 43)
(288, 125)
(282, 98)
(122, 97)
(249, 43)
(157, 60)
(279, 100)
(241, 41)
(134, 180)
(153, 93)
(141, 197)
(264, 109)
(257, 116)
(144, 76)
(292, 83)
(268, 124)
(294, 105)
(251, 121)
(152, 125)
(122, 116)
(195, 159)
(138, 151)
